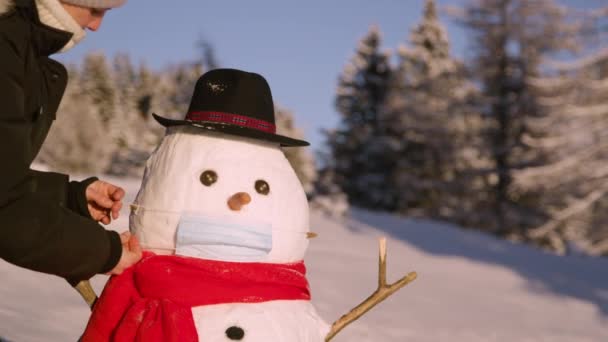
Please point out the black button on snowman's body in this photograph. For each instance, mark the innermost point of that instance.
(235, 333)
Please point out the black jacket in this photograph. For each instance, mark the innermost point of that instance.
(44, 221)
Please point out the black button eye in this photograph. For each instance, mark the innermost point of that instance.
(208, 177)
(235, 333)
(262, 187)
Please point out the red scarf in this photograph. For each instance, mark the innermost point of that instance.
(152, 300)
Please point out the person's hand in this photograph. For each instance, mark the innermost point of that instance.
(104, 201)
(131, 253)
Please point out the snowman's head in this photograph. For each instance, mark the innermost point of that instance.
(224, 188)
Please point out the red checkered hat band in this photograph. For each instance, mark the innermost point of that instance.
(233, 119)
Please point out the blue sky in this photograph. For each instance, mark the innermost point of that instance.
(299, 46)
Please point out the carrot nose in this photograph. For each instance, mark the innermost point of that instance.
(238, 200)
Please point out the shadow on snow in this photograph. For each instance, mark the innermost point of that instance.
(581, 277)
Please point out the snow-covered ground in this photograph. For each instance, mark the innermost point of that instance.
(470, 287)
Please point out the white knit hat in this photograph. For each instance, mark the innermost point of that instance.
(96, 3)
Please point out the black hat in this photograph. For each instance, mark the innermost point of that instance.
(233, 102)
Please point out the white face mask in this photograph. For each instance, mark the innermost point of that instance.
(203, 236)
(200, 237)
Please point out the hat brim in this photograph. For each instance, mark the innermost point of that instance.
(232, 130)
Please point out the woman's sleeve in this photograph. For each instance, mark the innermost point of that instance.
(37, 231)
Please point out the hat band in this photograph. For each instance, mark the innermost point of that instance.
(233, 119)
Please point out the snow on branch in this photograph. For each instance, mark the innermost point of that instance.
(580, 63)
(532, 176)
(569, 82)
(546, 143)
(571, 210)
(600, 248)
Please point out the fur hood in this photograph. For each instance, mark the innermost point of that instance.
(6, 5)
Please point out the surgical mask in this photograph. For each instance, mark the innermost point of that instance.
(201, 237)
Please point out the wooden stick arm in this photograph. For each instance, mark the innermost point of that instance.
(86, 291)
(384, 291)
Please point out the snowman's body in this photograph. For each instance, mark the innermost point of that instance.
(173, 198)
(279, 320)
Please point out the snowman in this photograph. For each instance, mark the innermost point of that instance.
(224, 222)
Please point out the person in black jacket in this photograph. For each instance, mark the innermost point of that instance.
(48, 223)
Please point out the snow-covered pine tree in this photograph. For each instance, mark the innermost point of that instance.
(150, 97)
(114, 131)
(178, 86)
(125, 78)
(574, 180)
(167, 93)
(327, 195)
(146, 97)
(300, 158)
(97, 83)
(112, 97)
(131, 135)
(109, 89)
(360, 161)
(510, 39)
(77, 142)
(123, 123)
(431, 123)
(207, 54)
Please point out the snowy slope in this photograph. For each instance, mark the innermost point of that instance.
(470, 287)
